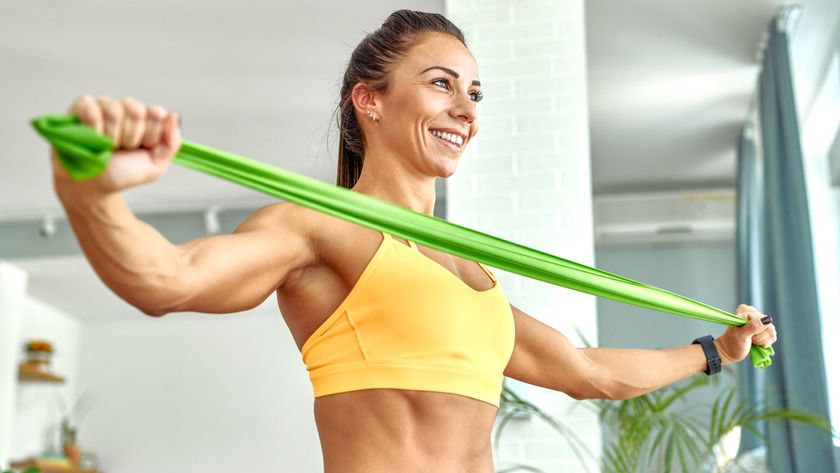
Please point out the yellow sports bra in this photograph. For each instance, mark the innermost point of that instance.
(410, 323)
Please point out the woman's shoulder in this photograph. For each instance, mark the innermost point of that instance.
(318, 229)
(326, 234)
(334, 246)
(287, 219)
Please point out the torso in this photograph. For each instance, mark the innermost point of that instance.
(382, 430)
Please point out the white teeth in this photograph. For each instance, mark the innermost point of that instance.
(449, 137)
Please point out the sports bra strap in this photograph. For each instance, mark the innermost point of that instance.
(492, 277)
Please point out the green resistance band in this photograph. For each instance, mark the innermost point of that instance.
(85, 153)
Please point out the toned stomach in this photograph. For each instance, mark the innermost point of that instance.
(391, 430)
(384, 430)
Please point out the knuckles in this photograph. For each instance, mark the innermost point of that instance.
(134, 109)
(90, 108)
(118, 117)
(156, 112)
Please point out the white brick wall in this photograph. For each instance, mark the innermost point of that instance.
(526, 178)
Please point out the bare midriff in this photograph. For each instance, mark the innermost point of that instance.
(391, 430)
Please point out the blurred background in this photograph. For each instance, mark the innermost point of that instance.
(676, 143)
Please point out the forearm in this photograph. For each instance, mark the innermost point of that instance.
(627, 373)
(132, 258)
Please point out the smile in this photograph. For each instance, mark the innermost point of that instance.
(446, 143)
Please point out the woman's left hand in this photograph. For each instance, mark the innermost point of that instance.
(734, 344)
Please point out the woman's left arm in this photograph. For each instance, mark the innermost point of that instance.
(544, 357)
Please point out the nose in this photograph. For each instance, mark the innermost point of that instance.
(464, 107)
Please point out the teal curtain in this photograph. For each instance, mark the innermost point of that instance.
(787, 274)
(749, 247)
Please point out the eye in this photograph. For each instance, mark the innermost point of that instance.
(442, 79)
(476, 96)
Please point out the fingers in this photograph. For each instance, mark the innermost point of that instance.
(170, 140)
(88, 111)
(760, 334)
(154, 126)
(744, 309)
(765, 338)
(112, 112)
(171, 132)
(134, 123)
(128, 122)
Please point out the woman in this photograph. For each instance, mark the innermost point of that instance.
(405, 346)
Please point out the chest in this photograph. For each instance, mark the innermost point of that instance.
(347, 252)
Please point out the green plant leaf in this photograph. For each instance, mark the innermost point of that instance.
(679, 393)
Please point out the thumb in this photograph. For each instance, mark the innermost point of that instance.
(754, 325)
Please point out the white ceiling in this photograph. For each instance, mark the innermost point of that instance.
(669, 86)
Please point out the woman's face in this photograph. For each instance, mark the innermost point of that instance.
(429, 113)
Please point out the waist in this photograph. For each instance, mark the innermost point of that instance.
(385, 430)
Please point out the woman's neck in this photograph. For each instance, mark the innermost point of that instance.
(398, 187)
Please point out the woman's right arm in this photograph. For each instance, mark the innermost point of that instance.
(218, 274)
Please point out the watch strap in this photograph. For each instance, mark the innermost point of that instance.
(713, 363)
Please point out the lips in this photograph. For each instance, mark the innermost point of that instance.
(446, 143)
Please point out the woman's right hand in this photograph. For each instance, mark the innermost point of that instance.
(145, 141)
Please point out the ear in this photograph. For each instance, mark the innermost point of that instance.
(364, 101)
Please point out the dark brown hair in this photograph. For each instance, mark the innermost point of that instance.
(371, 63)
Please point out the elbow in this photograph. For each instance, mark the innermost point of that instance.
(592, 393)
(588, 388)
(153, 312)
(577, 395)
(610, 391)
(155, 303)
(597, 382)
(151, 306)
(616, 391)
(619, 397)
(161, 298)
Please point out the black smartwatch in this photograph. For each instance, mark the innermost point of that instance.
(713, 364)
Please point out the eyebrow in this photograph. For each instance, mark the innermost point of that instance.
(450, 72)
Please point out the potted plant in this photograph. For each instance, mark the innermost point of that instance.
(658, 431)
(38, 352)
(69, 424)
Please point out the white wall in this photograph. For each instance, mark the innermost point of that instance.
(29, 411)
(37, 410)
(526, 178)
(12, 302)
(185, 392)
(198, 393)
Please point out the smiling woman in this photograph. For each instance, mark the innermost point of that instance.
(406, 347)
(416, 84)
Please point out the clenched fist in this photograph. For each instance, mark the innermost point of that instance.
(734, 345)
(146, 138)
